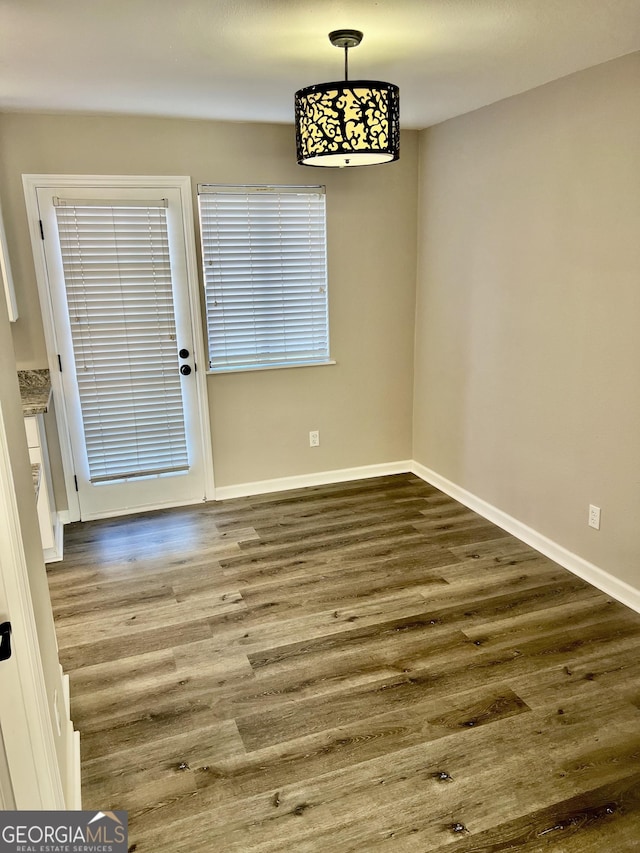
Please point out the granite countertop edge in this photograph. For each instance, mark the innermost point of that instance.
(35, 391)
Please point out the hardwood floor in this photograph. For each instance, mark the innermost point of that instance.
(363, 667)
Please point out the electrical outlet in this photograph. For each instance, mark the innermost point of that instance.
(314, 438)
(594, 516)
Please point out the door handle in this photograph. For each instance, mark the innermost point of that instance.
(5, 641)
(185, 370)
(184, 353)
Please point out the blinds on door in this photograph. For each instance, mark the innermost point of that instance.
(265, 270)
(117, 274)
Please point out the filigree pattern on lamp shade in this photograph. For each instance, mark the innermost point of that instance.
(348, 123)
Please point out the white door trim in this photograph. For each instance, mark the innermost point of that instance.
(24, 711)
(31, 184)
(7, 800)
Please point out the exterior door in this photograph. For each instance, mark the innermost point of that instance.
(126, 326)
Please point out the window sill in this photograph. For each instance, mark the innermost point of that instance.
(217, 371)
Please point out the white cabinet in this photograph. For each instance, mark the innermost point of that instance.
(47, 516)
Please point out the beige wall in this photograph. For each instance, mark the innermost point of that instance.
(261, 420)
(527, 372)
(25, 498)
(526, 385)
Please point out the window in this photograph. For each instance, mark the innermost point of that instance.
(265, 275)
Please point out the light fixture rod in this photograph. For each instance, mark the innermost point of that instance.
(345, 39)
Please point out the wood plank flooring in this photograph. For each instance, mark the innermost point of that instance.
(360, 668)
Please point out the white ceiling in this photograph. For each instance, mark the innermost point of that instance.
(243, 59)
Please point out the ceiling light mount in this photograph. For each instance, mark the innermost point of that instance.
(345, 38)
(347, 123)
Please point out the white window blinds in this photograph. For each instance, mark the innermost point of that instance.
(265, 273)
(117, 273)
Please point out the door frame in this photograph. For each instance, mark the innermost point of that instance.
(182, 183)
(29, 751)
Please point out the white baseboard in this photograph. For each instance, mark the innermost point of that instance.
(618, 589)
(77, 773)
(73, 787)
(322, 478)
(55, 554)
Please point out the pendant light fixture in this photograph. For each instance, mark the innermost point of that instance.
(347, 123)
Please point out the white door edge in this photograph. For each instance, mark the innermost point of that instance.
(7, 800)
(193, 275)
(24, 711)
(182, 183)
